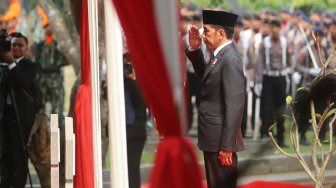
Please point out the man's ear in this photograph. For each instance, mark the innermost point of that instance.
(222, 33)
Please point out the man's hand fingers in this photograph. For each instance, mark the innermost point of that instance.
(221, 160)
(225, 158)
(194, 31)
(194, 37)
(230, 160)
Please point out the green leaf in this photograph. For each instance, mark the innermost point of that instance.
(287, 116)
(318, 116)
(331, 112)
(300, 88)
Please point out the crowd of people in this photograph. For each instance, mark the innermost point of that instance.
(281, 51)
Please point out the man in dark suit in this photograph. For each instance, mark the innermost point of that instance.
(135, 110)
(222, 97)
(15, 129)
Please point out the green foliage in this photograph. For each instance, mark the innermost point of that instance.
(305, 5)
(31, 5)
(331, 112)
(255, 6)
(209, 3)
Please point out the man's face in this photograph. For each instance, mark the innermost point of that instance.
(304, 24)
(319, 38)
(266, 29)
(333, 30)
(19, 47)
(246, 23)
(237, 30)
(184, 26)
(275, 31)
(48, 31)
(256, 24)
(284, 16)
(211, 37)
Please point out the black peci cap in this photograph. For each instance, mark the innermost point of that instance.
(221, 18)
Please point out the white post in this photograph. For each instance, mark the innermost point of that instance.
(256, 119)
(116, 104)
(249, 113)
(94, 65)
(54, 151)
(69, 152)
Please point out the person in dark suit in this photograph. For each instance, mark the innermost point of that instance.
(135, 123)
(15, 129)
(222, 97)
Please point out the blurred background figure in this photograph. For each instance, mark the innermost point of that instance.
(50, 79)
(50, 61)
(271, 81)
(18, 114)
(135, 123)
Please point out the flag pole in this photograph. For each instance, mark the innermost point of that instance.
(95, 94)
(116, 105)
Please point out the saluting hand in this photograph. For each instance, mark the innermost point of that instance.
(195, 39)
(225, 157)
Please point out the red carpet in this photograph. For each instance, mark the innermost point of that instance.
(265, 184)
(261, 184)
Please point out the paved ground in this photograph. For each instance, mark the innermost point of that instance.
(260, 161)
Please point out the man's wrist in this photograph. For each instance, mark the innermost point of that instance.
(193, 49)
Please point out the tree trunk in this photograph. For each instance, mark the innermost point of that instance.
(68, 47)
(70, 21)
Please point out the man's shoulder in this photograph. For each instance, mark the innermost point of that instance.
(231, 55)
(26, 60)
(231, 51)
(27, 63)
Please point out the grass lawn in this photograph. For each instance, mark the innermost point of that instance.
(148, 157)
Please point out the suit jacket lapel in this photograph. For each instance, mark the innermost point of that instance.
(218, 58)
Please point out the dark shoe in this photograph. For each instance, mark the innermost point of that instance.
(283, 145)
(303, 141)
(265, 138)
(325, 141)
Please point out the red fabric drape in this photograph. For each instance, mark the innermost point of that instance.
(84, 177)
(261, 184)
(175, 163)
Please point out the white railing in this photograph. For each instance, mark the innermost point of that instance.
(55, 152)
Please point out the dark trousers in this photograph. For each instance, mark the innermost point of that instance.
(220, 176)
(273, 103)
(194, 85)
(134, 151)
(13, 161)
